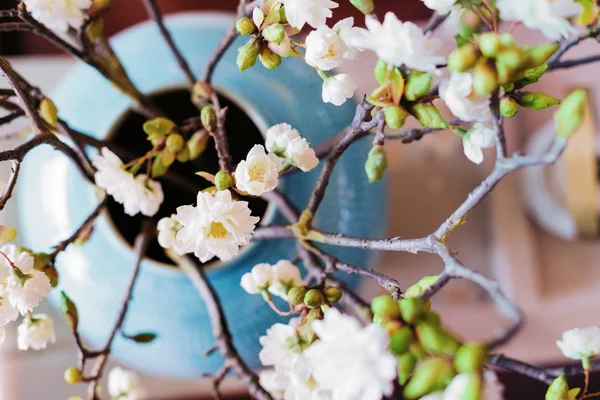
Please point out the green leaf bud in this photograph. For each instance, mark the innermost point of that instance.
(508, 107)
(314, 298)
(536, 100)
(376, 163)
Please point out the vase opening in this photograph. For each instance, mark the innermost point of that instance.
(127, 134)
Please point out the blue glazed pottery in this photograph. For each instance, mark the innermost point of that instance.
(55, 199)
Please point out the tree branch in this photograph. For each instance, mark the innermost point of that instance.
(12, 181)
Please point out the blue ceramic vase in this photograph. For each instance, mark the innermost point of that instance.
(54, 200)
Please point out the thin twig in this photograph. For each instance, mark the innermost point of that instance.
(520, 367)
(12, 181)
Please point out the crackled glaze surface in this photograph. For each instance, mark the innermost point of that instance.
(54, 200)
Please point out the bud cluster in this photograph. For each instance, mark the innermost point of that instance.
(313, 297)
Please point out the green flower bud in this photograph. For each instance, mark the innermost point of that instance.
(197, 144)
(531, 75)
(463, 58)
(183, 155)
(417, 350)
(274, 33)
(401, 339)
(49, 112)
(175, 142)
(385, 306)
(245, 26)
(296, 295)
(74, 398)
(411, 308)
(95, 29)
(513, 59)
(425, 377)
(489, 44)
(247, 54)
(332, 294)
(167, 158)
(536, 100)
(473, 387)
(558, 390)
(406, 364)
(485, 78)
(380, 71)
(159, 126)
(224, 180)
(376, 163)
(158, 167)
(538, 55)
(418, 84)
(508, 107)
(364, 6)
(570, 113)
(314, 298)
(431, 337)
(445, 376)
(432, 317)
(7, 233)
(208, 116)
(471, 357)
(422, 285)
(395, 117)
(73, 375)
(507, 40)
(269, 59)
(428, 115)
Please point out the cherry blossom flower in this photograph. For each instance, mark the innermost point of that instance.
(579, 344)
(258, 279)
(338, 88)
(350, 360)
(458, 94)
(59, 15)
(476, 139)
(137, 194)
(290, 385)
(346, 30)
(8, 312)
(278, 138)
(442, 7)
(399, 43)
(125, 385)
(301, 154)
(35, 332)
(258, 173)
(167, 231)
(549, 16)
(217, 226)
(311, 12)
(280, 347)
(285, 276)
(325, 49)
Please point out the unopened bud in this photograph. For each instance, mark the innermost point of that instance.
(159, 126)
(274, 33)
(73, 375)
(269, 59)
(167, 158)
(208, 116)
(472, 387)
(538, 55)
(430, 337)
(470, 357)
(418, 84)
(513, 59)
(386, 307)
(158, 167)
(463, 58)
(425, 378)
(314, 298)
(197, 144)
(536, 100)
(95, 28)
(570, 113)
(429, 116)
(508, 107)
(411, 308)
(485, 78)
(332, 294)
(175, 142)
(507, 40)
(405, 364)
(558, 390)
(401, 339)
(183, 155)
(489, 44)
(395, 117)
(7, 233)
(296, 295)
(364, 6)
(49, 112)
(224, 180)
(376, 163)
(245, 26)
(247, 54)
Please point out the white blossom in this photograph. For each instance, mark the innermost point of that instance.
(285, 276)
(259, 172)
(25, 286)
(279, 136)
(280, 347)
(324, 49)
(458, 94)
(258, 279)
(167, 231)
(476, 139)
(442, 7)
(217, 226)
(35, 332)
(301, 154)
(346, 30)
(283, 49)
(137, 194)
(125, 385)
(549, 16)
(350, 360)
(311, 12)
(8, 312)
(59, 15)
(579, 344)
(289, 385)
(338, 88)
(398, 43)
(491, 389)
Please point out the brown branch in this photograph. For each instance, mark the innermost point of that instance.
(498, 126)
(567, 44)
(220, 329)
(576, 63)
(12, 181)
(220, 136)
(434, 22)
(154, 12)
(11, 117)
(520, 367)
